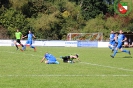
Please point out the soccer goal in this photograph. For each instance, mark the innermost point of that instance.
(85, 36)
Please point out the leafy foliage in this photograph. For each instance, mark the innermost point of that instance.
(12, 20)
(53, 19)
(92, 8)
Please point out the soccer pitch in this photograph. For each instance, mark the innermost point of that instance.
(96, 69)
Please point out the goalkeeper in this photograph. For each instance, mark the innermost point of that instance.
(70, 59)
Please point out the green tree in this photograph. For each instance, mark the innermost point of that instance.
(95, 25)
(12, 19)
(92, 8)
(17, 4)
(33, 7)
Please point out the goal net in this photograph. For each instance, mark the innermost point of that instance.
(85, 36)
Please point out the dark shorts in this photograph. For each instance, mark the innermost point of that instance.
(18, 41)
(66, 59)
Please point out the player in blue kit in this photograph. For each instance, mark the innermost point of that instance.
(49, 59)
(116, 42)
(121, 39)
(29, 40)
(112, 40)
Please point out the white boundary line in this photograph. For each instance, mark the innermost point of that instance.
(107, 66)
(22, 52)
(66, 75)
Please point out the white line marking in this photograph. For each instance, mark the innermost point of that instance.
(23, 53)
(66, 75)
(108, 66)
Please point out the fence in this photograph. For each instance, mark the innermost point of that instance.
(58, 43)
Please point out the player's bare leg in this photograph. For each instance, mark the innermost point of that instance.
(16, 45)
(21, 45)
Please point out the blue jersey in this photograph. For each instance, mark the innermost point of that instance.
(121, 37)
(30, 36)
(112, 36)
(49, 57)
(112, 39)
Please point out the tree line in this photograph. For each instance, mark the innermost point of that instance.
(53, 19)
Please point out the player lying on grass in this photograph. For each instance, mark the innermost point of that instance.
(70, 59)
(49, 59)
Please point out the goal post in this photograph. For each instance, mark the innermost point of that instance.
(85, 36)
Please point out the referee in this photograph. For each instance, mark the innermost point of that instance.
(18, 36)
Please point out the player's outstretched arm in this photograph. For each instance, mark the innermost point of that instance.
(22, 36)
(124, 39)
(34, 36)
(42, 59)
(77, 59)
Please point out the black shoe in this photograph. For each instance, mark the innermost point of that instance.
(129, 53)
(112, 56)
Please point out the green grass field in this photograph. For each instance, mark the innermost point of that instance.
(96, 69)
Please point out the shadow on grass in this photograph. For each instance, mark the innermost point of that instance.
(127, 57)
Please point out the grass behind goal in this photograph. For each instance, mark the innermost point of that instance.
(96, 69)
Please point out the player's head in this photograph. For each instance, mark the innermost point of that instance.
(116, 34)
(77, 55)
(29, 31)
(112, 31)
(46, 54)
(120, 31)
(17, 30)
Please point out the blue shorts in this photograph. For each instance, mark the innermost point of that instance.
(29, 42)
(53, 62)
(112, 42)
(119, 46)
